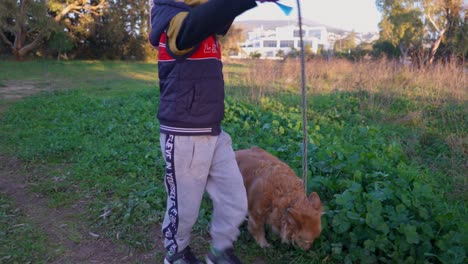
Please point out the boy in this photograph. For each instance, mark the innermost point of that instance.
(198, 154)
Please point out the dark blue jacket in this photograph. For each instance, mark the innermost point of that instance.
(191, 81)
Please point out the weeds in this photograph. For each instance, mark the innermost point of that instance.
(387, 152)
(432, 99)
(20, 241)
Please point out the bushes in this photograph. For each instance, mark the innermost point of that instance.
(381, 207)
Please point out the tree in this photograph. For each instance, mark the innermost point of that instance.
(462, 37)
(308, 50)
(346, 44)
(119, 33)
(400, 25)
(293, 53)
(59, 43)
(280, 54)
(418, 27)
(444, 21)
(255, 55)
(25, 24)
(230, 42)
(386, 48)
(455, 42)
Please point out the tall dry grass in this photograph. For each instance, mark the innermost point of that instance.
(384, 81)
(435, 84)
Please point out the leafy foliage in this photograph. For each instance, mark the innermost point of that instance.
(385, 185)
(120, 33)
(418, 28)
(387, 48)
(83, 29)
(380, 207)
(28, 23)
(23, 24)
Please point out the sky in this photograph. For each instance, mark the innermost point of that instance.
(358, 15)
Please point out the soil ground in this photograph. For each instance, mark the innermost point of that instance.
(63, 227)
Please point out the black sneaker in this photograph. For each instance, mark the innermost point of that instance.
(183, 257)
(224, 257)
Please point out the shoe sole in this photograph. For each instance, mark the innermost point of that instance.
(208, 261)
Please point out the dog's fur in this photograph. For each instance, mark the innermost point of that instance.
(276, 197)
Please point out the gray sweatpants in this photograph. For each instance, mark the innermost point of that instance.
(195, 164)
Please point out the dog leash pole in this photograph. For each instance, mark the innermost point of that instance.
(304, 99)
(287, 10)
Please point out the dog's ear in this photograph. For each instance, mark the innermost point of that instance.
(315, 200)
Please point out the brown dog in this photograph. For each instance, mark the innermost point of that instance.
(276, 197)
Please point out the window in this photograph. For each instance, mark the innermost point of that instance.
(315, 34)
(286, 43)
(269, 44)
(296, 33)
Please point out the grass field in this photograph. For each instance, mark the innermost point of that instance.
(387, 152)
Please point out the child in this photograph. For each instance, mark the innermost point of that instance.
(198, 154)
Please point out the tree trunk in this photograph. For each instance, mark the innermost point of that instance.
(31, 46)
(404, 53)
(434, 47)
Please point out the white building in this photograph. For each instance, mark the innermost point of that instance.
(269, 42)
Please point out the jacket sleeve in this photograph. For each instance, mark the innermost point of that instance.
(224, 30)
(161, 14)
(187, 29)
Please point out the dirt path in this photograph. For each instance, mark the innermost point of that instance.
(62, 225)
(74, 242)
(15, 90)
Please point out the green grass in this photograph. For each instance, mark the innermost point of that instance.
(95, 77)
(391, 189)
(20, 240)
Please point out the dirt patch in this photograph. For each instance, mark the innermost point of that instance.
(15, 90)
(75, 243)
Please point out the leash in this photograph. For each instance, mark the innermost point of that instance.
(287, 10)
(304, 99)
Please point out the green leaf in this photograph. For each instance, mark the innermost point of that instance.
(345, 199)
(374, 218)
(369, 245)
(410, 233)
(341, 223)
(337, 248)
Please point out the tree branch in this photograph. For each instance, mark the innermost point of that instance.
(77, 5)
(101, 4)
(433, 23)
(435, 46)
(66, 10)
(26, 49)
